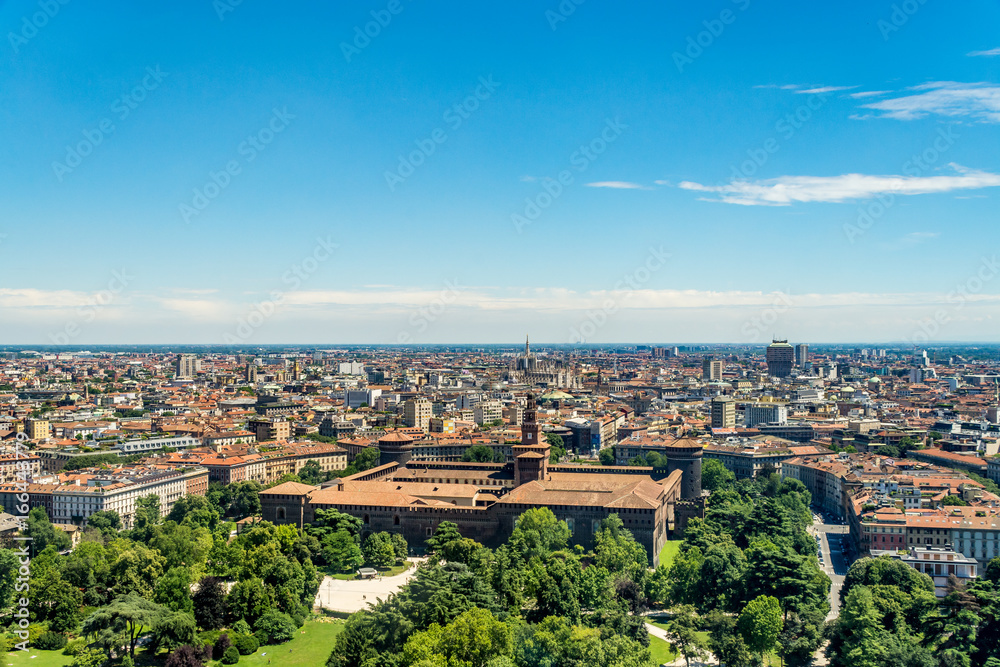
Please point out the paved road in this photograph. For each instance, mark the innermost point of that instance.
(352, 596)
(833, 542)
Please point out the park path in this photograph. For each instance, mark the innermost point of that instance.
(356, 594)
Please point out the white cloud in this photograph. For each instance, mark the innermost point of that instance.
(785, 190)
(989, 52)
(824, 89)
(870, 93)
(618, 185)
(980, 101)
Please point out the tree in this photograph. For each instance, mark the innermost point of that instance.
(122, 621)
(949, 501)
(188, 656)
(136, 569)
(274, 627)
(173, 590)
(616, 550)
(445, 533)
(400, 546)
(760, 623)
(606, 456)
(715, 476)
(682, 633)
(209, 603)
(342, 552)
(473, 638)
(537, 532)
(248, 600)
(311, 473)
(378, 550)
(195, 511)
(993, 570)
(43, 533)
(478, 454)
(367, 458)
(245, 499)
(9, 565)
(173, 629)
(107, 521)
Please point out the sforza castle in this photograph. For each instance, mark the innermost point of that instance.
(484, 499)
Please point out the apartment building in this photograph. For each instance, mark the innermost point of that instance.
(486, 412)
(417, 412)
(118, 491)
(271, 429)
(18, 467)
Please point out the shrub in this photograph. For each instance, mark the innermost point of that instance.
(231, 656)
(75, 646)
(274, 627)
(246, 644)
(51, 641)
(221, 644)
(242, 627)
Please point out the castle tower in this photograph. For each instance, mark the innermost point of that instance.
(531, 457)
(685, 454)
(395, 448)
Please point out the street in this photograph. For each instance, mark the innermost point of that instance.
(833, 541)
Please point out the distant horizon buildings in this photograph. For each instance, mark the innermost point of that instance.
(801, 355)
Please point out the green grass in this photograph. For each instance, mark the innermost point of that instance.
(661, 651)
(383, 571)
(311, 646)
(42, 659)
(669, 552)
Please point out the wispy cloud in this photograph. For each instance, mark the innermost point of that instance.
(870, 93)
(786, 190)
(916, 238)
(618, 185)
(989, 52)
(980, 101)
(824, 89)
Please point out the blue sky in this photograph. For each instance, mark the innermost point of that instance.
(730, 170)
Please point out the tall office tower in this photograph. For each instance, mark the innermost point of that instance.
(723, 412)
(418, 412)
(251, 373)
(780, 357)
(188, 366)
(711, 369)
(801, 354)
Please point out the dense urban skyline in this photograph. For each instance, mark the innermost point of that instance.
(227, 172)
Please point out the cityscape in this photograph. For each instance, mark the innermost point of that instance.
(529, 334)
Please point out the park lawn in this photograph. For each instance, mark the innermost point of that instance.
(383, 572)
(669, 552)
(41, 659)
(660, 651)
(311, 646)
